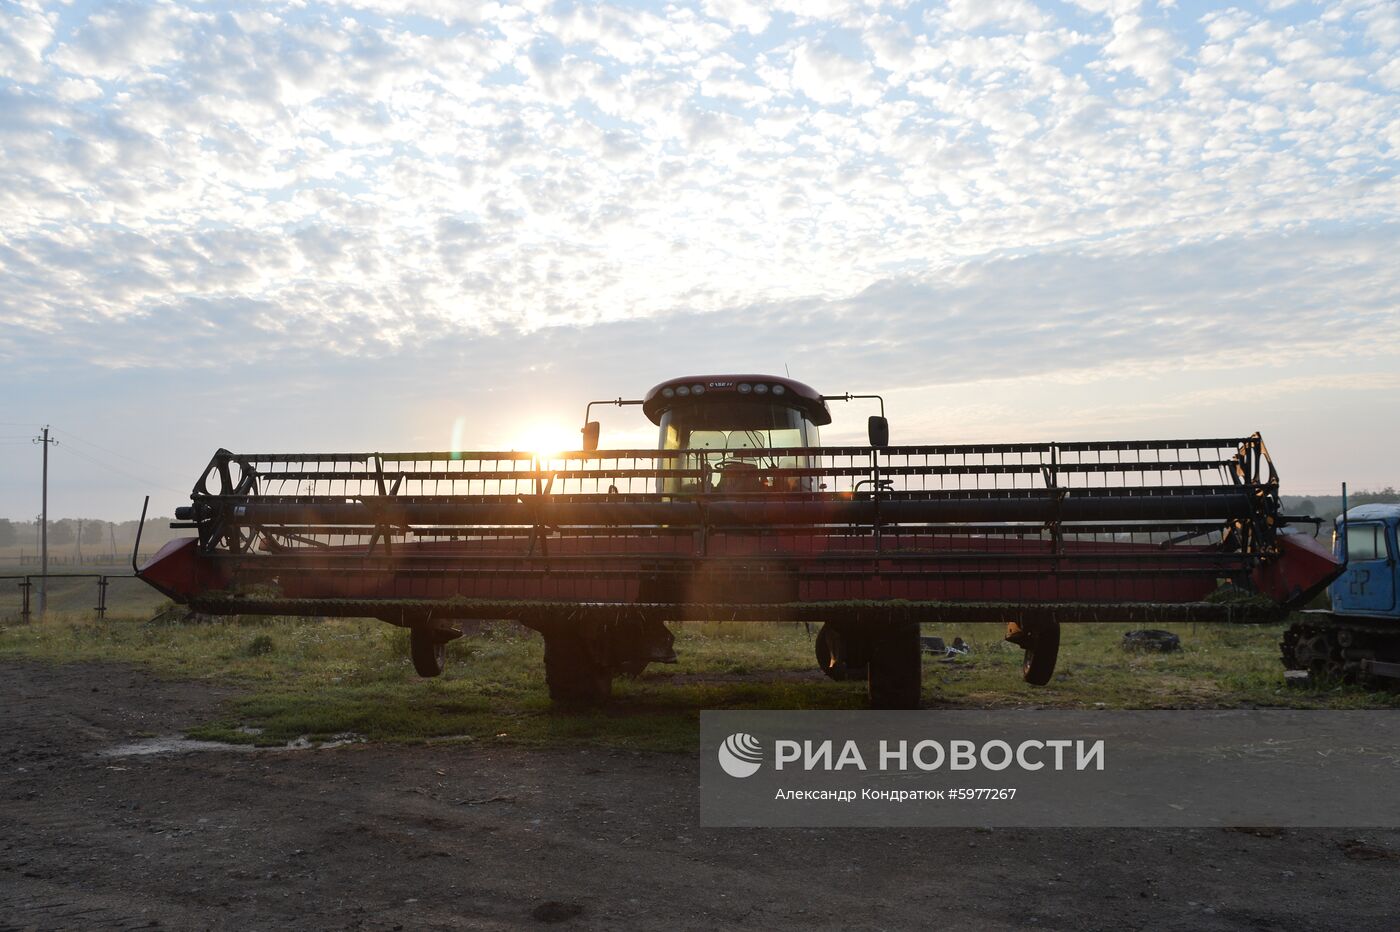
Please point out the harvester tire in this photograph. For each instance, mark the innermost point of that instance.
(838, 655)
(1041, 643)
(896, 668)
(429, 653)
(574, 676)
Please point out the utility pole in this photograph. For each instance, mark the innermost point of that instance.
(44, 440)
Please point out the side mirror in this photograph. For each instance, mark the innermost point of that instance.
(879, 432)
(590, 435)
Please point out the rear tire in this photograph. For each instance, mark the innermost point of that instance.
(429, 653)
(574, 677)
(895, 677)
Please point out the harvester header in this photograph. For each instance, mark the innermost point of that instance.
(740, 513)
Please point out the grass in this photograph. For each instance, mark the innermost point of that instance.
(78, 594)
(321, 679)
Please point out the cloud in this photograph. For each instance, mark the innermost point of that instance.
(126, 39)
(1213, 304)
(830, 76)
(970, 15)
(971, 190)
(752, 17)
(25, 31)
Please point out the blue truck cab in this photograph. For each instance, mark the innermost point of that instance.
(1368, 585)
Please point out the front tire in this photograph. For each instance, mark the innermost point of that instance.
(1041, 642)
(575, 678)
(839, 655)
(429, 653)
(895, 677)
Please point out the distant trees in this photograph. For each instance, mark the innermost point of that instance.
(85, 540)
(1384, 496)
(62, 532)
(94, 532)
(1327, 507)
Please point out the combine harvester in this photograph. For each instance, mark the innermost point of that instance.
(741, 514)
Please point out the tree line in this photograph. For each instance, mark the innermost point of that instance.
(76, 533)
(1328, 507)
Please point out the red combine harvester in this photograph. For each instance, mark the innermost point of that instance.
(742, 514)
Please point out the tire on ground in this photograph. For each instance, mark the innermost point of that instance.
(429, 653)
(895, 675)
(841, 653)
(574, 676)
(1042, 646)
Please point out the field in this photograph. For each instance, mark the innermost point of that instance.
(470, 804)
(302, 678)
(73, 591)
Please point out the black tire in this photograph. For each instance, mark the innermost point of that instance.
(826, 639)
(575, 678)
(839, 655)
(1042, 646)
(429, 653)
(895, 677)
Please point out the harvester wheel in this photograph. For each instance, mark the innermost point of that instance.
(838, 656)
(429, 653)
(1041, 643)
(574, 676)
(896, 667)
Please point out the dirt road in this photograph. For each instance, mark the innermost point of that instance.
(466, 836)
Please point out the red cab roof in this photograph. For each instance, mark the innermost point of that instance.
(776, 390)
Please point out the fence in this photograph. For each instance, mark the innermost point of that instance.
(108, 589)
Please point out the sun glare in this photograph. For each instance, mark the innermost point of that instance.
(547, 440)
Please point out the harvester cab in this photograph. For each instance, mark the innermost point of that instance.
(731, 429)
(729, 426)
(740, 513)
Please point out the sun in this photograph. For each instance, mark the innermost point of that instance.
(547, 439)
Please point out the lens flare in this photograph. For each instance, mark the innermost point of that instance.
(459, 429)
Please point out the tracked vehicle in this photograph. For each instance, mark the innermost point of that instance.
(741, 513)
(1358, 638)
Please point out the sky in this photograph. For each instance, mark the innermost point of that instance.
(395, 225)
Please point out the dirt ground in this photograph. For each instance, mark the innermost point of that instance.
(466, 836)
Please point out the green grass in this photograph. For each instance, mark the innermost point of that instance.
(78, 595)
(321, 679)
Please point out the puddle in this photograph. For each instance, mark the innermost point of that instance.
(175, 744)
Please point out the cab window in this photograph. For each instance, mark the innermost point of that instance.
(1366, 542)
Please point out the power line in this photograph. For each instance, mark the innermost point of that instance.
(145, 481)
(69, 435)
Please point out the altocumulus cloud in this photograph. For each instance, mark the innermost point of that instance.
(943, 192)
